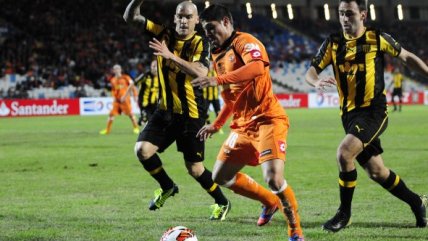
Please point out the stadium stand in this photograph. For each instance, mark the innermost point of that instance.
(57, 49)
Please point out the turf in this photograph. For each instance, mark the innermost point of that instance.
(61, 180)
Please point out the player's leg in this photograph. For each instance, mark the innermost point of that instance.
(272, 148)
(193, 151)
(273, 174)
(348, 149)
(127, 110)
(393, 100)
(152, 139)
(400, 99)
(226, 173)
(392, 182)
(114, 112)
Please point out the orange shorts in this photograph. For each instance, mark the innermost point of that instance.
(265, 142)
(119, 108)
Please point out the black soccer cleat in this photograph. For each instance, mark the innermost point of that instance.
(161, 196)
(339, 221)
(421, 213)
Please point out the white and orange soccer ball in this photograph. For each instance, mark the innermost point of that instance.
(179, 233)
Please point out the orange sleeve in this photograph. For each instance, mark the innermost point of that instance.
(247, 72)
(226, 110)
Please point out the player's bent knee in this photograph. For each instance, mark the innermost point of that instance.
(195, 169)
(275, 182)
(142, 152)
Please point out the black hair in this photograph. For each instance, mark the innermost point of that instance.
(362, 4)
(215, 12)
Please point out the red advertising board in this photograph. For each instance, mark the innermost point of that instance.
(44, 107)
(293, 100)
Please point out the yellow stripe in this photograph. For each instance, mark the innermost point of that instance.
(380, 128)
(214, 186)
(155, 171)
(347, 184)
(397, 180)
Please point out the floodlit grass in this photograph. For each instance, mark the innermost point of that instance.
(61, 180)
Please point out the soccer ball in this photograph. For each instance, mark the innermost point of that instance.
(179, 233)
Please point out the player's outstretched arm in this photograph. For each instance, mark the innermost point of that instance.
(314, 80)
(413, 62)
(194, 69)
(132, 12)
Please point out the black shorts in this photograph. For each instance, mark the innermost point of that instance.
(366, 124)
(397, 92)
(163, 128)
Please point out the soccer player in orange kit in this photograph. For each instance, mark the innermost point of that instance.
(121, 87)
(259, 125)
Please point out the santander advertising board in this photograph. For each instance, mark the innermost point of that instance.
(45, 107)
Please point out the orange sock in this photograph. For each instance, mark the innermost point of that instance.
(247, 187)
(109, 123)
(134, 121)
(290, 211)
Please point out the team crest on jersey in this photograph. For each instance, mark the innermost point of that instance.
(232, 58)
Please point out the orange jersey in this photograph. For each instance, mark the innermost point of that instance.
(119, 85)
(252, 99)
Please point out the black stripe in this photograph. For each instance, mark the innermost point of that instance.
(181, 79)
(340, 60)
(360, 77)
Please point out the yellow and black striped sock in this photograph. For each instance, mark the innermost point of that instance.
(396, 186)
(153, 165)
(206, 181)
(347, 183)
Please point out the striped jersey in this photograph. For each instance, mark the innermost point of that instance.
(358, 65)
(176, 94)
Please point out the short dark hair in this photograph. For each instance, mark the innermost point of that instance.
(215, 12)
(362, 4)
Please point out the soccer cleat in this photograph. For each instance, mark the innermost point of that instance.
(136, 130)
(104, 132)
(339, 221)
(161, 196)
(420, 213)
(267, 214)
(220, 211)
(296, 237)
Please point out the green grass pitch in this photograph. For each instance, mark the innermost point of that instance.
(61, 180)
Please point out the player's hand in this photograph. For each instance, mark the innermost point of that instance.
(325, 82)
(122, 99)
(206, 132)
(203, 82)
(160, 49)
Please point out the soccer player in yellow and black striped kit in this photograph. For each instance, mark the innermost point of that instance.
(148, 85)
(211, 97)
(397, 81)
(356, 54)
(182, 55)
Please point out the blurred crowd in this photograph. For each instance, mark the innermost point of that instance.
(60, 43)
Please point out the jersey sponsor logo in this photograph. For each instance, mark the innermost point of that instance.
(251, 46)
(265, 152)
(351, 69)
(253, 49)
